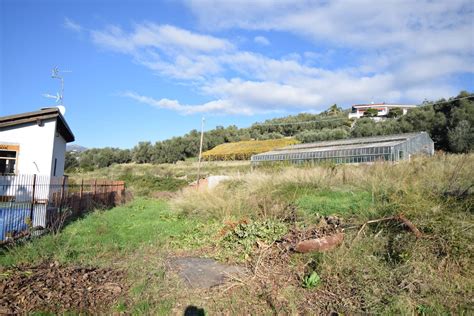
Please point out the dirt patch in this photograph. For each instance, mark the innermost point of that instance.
(204, 272)
(52, 287)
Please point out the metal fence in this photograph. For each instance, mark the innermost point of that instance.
(30, 203)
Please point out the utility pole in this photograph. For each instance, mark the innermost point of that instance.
(200, 152)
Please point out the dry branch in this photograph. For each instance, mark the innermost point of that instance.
(410, 225)
(400, 217)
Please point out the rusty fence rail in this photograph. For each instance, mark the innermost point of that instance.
(31, 203)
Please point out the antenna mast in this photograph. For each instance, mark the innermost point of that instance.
(56, 74)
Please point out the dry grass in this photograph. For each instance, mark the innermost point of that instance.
(386, 269)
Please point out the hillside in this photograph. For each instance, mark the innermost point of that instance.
(75, 148)
(450, 124)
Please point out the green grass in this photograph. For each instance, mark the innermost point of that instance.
(104, 235)
(335, 202)
(138, 238)
(144, 185)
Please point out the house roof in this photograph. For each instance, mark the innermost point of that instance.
(384, 104)
(37, 117)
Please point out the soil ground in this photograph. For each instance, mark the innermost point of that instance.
(55, 288)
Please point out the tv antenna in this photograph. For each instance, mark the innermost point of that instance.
(59, 97)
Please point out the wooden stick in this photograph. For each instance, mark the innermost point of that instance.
(400, 217)
(410, 225)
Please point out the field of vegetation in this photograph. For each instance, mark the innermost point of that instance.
(380, 268)
(147, 179)
(450, 123)
(243, 150)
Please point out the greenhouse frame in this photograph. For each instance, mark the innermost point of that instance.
(355, 150)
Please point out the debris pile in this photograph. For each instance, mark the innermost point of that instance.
(51, 287)
(322, 237)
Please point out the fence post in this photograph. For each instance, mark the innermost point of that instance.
(62, 193)
(82, 188)
(95, 189)
(81, 191)
(33, 192)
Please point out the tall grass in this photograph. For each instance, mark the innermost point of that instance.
(385, 269)
(404, 187)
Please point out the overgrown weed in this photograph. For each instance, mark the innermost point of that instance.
(386, 269)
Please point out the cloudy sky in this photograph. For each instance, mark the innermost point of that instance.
(148, 70)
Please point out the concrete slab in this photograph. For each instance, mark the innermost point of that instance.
(203, 272)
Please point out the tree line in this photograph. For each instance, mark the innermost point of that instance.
(450, 124)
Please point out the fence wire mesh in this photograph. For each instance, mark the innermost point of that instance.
(33, 202)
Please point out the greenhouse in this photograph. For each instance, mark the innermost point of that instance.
(354, 150)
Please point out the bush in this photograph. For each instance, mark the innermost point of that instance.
(243, 237)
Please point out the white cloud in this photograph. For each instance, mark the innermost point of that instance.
(181, 66)
(215, 106)
(262, 40)
(420, 29)
(361, 23)
(151, 35)
(71, 25)
(264, 95)
(402, 51)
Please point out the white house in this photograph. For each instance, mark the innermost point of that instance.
(383, 109)
(32, 157)
(34, 143)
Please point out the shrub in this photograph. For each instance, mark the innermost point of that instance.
(312, 280)
(243, 237)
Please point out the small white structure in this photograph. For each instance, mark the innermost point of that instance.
(32, 157)
(383, 109)
(34, 143)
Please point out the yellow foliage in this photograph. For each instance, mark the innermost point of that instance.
(245, 149)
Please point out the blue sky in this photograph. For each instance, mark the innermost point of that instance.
(148, 70)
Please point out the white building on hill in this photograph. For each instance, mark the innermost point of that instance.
(383, 109)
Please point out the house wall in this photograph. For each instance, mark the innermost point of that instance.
(39, 146)
(383, 110)
(59, 153)
(36, 146)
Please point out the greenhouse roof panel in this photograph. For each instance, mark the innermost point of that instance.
(353, 141)
(330, 148)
